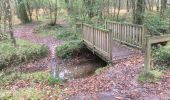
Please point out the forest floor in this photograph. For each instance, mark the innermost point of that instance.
(115, 82)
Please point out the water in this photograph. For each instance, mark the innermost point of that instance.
(73, 70)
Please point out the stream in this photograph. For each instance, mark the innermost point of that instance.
(80, 66)
(83, 66)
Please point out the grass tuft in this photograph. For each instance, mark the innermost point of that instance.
(150, 77)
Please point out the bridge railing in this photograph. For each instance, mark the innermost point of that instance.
(129, 34)
(98, 40)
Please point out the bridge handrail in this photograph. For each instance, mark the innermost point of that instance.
(130, 34)
(98, 39)
(130, 24)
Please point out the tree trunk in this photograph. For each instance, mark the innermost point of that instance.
(118, 12)
(22, 13)
(139, 12)
(89, 7)
(9, 19)
(163, 7)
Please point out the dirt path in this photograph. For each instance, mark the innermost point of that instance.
(119, 83)
(26, 32)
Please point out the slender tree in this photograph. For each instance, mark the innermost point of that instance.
(139, 12)
(9, 19)
(163, 7)
(22, 12)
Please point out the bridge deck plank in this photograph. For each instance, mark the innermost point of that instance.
(121, 51)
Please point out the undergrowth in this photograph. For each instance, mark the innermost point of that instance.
(69, 49)
(24, 52)
(58, 32)
(162, 56)
(150, 77)
(36, 77)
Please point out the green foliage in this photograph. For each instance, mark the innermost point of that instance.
(53, 80)
(7, 79)
(58, 32)
(99, 70)
(23, 93)
(3, 36)
(24, 52)
(69, 49)
(155, 24)
(162, 55)
(150, 77)
(37, 77)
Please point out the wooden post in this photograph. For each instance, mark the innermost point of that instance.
(82, 29)
(147, 55)
(106, 24)
(111, 43)
(93, 40)
(144, 32)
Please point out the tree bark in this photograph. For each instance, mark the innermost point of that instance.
(139, 12)
(163, 7)
(22, 13)
(9, 19)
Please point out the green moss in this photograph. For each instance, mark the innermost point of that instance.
(69, 49)
(24, 52)
(150, 77)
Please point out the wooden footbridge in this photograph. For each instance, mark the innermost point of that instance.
(120, 40)
(116, 41)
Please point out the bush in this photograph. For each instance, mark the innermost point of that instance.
(162, 55)
(155, 24)
(69, 49)
(58, 32)
(3, 36)
(68, 36)
(53, 80)
(24, 52)
(150, 77)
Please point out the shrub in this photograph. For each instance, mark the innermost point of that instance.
(24, 52)
(7, 79)
(162, 55)
(59, 32)
(53, 80)
(68, 36)
(69, 49)
(3, 36)
(150, 77)
(155, 24)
